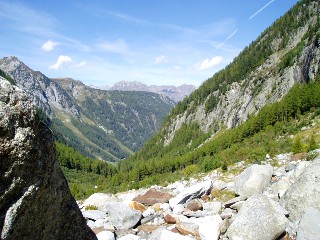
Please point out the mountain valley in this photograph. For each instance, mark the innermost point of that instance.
(236, 158)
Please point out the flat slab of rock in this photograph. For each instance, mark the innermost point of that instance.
(163, 234)
(94, 214)
(304, 193)
(195, 191)
(259, 218)
(153, 196)
(188, 228)
(253, 180)
(309, 226)
(121, 216)
(209, 227)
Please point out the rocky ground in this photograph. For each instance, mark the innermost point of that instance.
(277, 199)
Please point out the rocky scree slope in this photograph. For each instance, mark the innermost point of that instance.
(35, 201)
(277, 199)
(94, 122)
(284, 54)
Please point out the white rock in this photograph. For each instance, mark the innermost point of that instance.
(150, 211)
(253, 180)
(190, 193)
(209, 227)
(163, 234)
(93, 214)
(105, 235)
(214, 207)
(178, 209)
(219, 185)
(258, 219)
(309, 227)
(129, 237)
(99, 199)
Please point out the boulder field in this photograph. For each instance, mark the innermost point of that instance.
(249, 201)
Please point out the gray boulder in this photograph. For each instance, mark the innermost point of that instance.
(253, 180)
(190, 193)
(305, 192)
(259, 218)
(35, 200)
(121, 216)
(309, 226)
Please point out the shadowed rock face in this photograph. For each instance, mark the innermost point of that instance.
(35, 201)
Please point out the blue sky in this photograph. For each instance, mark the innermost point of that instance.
(160, 42)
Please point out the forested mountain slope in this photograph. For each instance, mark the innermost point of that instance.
(284, 54)
(107, 125)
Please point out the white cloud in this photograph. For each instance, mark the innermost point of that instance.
(119, 46)
(160, 59)
(81, 64)
(209, 63)
(49, 45)
(62, 61)
(177, 67)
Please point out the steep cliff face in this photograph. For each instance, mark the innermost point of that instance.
(35, 201)
(44, 92)
(286, 53)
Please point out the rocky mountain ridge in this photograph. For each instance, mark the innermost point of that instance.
(228, 103)
(277, 199)
(174, 93)
(94, 122)
(35, 201)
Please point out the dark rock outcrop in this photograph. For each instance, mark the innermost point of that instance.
(35, 201)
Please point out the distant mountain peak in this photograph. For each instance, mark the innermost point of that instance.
(174, 93)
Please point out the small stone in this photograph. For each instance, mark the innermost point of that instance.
(194, 205)
(169, 219)
(137, 206)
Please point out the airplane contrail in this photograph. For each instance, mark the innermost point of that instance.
(261, 9)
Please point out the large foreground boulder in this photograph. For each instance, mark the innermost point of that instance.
(304, 193)
(259, 218)
(35, 201)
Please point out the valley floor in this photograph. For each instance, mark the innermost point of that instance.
(272, 200)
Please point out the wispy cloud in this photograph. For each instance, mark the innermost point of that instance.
(61, 62)
(209, 63)
(119, 46)
(261, 9)
(49, 45)
(160, 59)
(81, 64)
